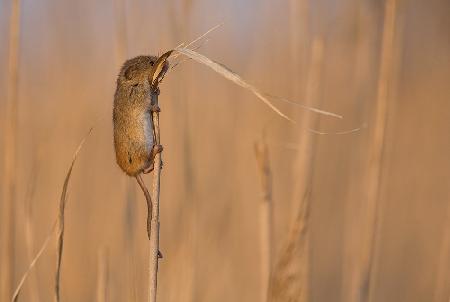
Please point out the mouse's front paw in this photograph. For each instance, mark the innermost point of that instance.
(155, 108)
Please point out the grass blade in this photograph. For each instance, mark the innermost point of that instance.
(230, 75)
(58, 223)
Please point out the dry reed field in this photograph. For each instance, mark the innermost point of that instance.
(346, 199)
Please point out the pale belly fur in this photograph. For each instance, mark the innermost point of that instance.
(148, 130)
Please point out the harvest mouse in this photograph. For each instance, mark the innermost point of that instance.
(134, 139)
(134, 131)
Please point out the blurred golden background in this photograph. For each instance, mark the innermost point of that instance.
(357, 216)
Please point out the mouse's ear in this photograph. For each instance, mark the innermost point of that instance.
(158, 68)
(130, 72)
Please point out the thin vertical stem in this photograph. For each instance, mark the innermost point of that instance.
(102, 275)
(290, 278)
(121, 31)
(10, 143)
(61, 224)
(120, 20)
(34, 288)
(442, 289)
(265, 215)
(59, 249)
(362, 79)
(154, 223)
(299, 42)
(180, 13)
(56, 226)
(362, 292)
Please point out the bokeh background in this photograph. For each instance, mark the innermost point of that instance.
(359, 216)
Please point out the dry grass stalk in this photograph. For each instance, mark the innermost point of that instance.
(362, 79)
(265, 215)
(364, 274)
(10, 151)
(25, 208)
(186, 280)
(153, 201)
(102, 275)
(129, 238)
(442, 289)
(121, 31)
(54, 227)
(154, 233)
(361, 292)
(298, 33)
(60, 224)
(235, 78)
(120, 14)
(59, 249)
(33, 286)
(16, 294)
(183, 45)
(290, 277)
(153, 210)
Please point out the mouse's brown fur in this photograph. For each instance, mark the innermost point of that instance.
(132, 116)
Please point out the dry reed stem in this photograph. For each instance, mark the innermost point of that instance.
(364, 279)
(361, 75)
(25, 208)
(153, 211)
(298, 33)
(121, 54)
(442, 289)
(154, 232)
(59, 249)
(129, 238)
(33, 263)
(10, 142)
(34, 289)
(102, 275)
(153, 201)
(55, 224)
(121, 31)
(265, 215)
(290, 277)
(186, 280)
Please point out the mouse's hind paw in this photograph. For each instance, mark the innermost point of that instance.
(149, 169)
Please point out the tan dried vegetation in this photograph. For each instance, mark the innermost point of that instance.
(347, 200)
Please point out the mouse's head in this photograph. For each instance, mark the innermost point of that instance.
(143, 68)
(137, 70)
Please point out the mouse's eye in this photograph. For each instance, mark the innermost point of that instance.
(151, 63)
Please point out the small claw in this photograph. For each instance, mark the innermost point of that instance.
(157, 149)
(155, 108)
